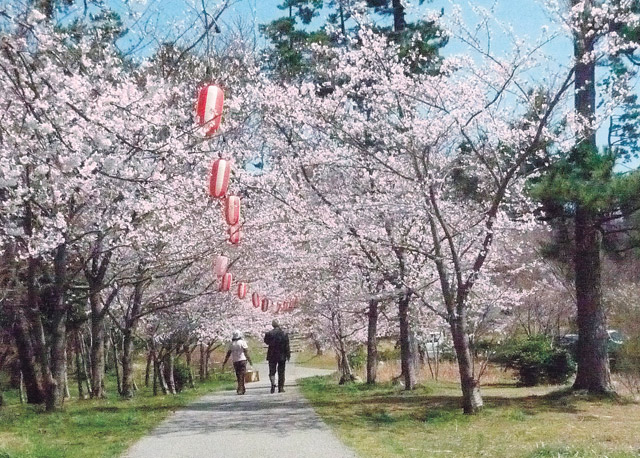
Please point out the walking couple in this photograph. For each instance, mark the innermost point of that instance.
(277, 356)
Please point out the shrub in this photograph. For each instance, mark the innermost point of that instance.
(536, 360)
(181, 375)
(357, 358)
(560, 366)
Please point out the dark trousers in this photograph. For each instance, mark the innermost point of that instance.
(241, 368)
(279, 366)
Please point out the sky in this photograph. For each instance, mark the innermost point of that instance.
(527, 17)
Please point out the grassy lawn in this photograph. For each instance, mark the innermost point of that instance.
(307, 357)
(99, 428)
(384, 421)
(91, 428)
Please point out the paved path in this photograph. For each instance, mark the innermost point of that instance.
(256, 425)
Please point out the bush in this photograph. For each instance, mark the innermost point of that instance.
(357, 358)
(536, 360)
(181, 375)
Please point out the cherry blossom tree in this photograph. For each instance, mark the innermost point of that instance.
(437, 179)
(124, 174)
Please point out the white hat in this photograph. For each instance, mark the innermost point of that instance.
(237, 335)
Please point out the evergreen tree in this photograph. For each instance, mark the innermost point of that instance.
(292, 35)
(289, 37)
(582, 187)
(419, 41)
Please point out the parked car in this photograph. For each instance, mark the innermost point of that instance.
(615, 341)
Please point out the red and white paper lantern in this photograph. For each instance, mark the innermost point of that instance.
(265, 304)
(219, 180)
(234, 234)
(242, 290)
(220, 266)
(255, 300)
(225, 283)
(209, 108)
(232, 210)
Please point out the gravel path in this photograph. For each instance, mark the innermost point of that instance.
(258, 424)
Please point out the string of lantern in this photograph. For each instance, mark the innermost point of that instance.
(209, 116)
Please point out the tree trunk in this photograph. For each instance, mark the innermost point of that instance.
(131, 323)
(35, 393)
(203, 354)
(85, 363)
(207, 364)
(79, 366)
(159, 379)
(346, 374)
(155, 371)
(187, 355)
(399, 22)
(372, 342)
(116, 358)
(593, 362)
(67, 394)
(318, 344)
(147, 371)
(343, 359)
(471, 398)
(406, 358)
(171, 381)
(58, 344)
(127, 365)
(33, 326)
(97, 346)
(416, 362)
(23, 397)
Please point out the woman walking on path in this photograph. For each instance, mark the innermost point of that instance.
(239, 353)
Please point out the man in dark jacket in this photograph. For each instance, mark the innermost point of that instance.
(277, 354)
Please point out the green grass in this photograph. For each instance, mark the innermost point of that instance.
(91, 428)
(384, 421)
(307, 357)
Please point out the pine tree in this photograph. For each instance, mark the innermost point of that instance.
(582, 187)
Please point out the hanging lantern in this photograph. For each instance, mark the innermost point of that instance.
(220, 266)
(255, 300)
(285, 306)
(225, 283)
(219, 180)
(278, 307)
(265, 305)
(234, 234)
(209, 108)
(242, 290)
(232, 210)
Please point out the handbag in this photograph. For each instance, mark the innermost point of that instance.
(251, 375)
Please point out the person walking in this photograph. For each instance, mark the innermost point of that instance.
(277, 354)
(239, 353)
